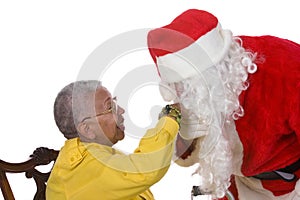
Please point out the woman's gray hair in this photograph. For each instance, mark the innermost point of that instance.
(72, 103)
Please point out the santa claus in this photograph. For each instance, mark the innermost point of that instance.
(240, 102)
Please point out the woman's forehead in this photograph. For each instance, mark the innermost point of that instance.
(103, 94)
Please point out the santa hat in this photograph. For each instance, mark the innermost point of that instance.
(191, 43)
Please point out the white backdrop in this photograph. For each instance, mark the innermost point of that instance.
(43, 45)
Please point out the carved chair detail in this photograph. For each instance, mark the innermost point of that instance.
(41, 156)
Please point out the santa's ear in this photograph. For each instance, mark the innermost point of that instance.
(85, 130)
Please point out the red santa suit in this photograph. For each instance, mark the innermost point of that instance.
(270, 128)
(269, 131)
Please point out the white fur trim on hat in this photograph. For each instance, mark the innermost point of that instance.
(205, 52)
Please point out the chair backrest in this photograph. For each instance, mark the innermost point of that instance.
(41, 156)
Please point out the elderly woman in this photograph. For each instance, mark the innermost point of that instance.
(88, 167)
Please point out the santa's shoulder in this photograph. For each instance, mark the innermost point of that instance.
(265, 42)
(273, 51)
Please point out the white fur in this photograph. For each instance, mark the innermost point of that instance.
(210, 100)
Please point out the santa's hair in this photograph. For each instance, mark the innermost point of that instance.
(211, 99)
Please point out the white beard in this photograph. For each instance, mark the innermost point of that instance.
(209, 105)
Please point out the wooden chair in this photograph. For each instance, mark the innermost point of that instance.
(41, 156)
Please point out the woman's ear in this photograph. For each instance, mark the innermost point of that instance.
(85, 131)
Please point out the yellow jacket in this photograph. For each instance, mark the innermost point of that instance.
(88, 171)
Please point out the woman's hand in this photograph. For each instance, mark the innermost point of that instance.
(172, 111)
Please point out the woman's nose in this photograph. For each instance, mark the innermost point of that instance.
(121, 110)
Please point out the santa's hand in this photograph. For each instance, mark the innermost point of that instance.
(184, 148)
(187, 151)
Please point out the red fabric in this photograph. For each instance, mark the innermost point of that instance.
(184, 29)
(270, 129)
(232, 189)
(285, 187)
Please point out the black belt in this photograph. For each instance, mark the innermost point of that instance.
(286, 173)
